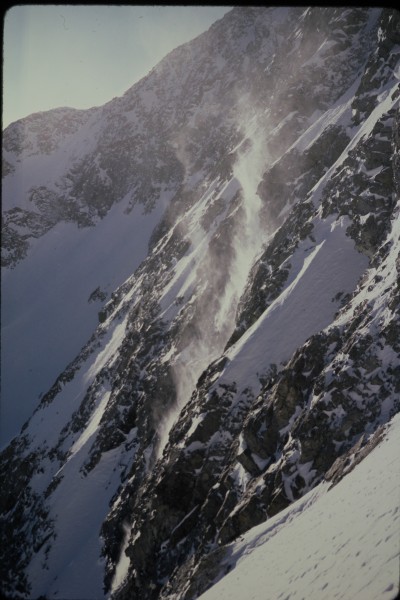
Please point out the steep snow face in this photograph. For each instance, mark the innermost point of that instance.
(49, 303)
(318, 269)
(336, 542)
(215, 258)
(79, 506)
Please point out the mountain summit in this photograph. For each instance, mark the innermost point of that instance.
(200, 308)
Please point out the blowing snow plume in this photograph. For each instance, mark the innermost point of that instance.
(249, 236)
(212, 276)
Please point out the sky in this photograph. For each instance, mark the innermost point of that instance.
(82, 56)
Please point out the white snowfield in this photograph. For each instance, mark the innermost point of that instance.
(63, 268)
(335, 543)
(305, 306)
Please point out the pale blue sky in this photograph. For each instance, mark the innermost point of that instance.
(84, 55)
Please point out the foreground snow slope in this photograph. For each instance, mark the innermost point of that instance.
(340, 542)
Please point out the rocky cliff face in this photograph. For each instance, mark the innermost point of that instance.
(248, 322)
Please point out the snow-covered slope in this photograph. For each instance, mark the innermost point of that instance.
(51, 301)
(335, 542)
(201, 283)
